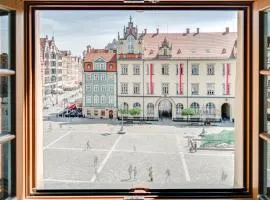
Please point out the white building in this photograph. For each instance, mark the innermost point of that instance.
(162, 73)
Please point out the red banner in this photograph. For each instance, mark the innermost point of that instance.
(150, 78)
(180, 72)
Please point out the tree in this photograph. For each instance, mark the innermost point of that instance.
(135, 112)
(188, 112)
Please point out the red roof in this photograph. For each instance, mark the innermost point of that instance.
(94, 54)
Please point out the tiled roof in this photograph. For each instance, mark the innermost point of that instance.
(192, 45)
(100, 53)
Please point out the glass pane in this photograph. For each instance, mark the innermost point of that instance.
(5, 104)
(5, 171)
(158, 105)
(4, 40)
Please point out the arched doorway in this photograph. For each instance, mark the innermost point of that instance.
(225, 111)
(110, 114)
(165, 109)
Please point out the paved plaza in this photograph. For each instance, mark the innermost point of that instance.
(85, 154)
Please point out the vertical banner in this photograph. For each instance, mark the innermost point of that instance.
(180, 72)
(227, 79)
(150, 78)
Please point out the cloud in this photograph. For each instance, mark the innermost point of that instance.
(75, 29)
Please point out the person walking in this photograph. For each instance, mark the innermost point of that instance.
(150, 173)
(135, 173)
(130, 171)
(168, 175)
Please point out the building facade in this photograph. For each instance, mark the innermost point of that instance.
(163, 73)
(51, 68)
(99, 83)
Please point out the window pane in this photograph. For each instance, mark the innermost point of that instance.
(5, 171)
(4, 40)
(167, 114)
(5, 104)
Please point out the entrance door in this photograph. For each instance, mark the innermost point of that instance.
(165, 109)
(110, 114)
(225, 111)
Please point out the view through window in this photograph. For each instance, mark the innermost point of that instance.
(132, 98)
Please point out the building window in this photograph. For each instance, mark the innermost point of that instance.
(103, 88)
(210, 88)
(103, 99)
(195, 69)
(165, 69)
(196, 107)
(111, 99)
(130, 44)
(111, 89)
(195, 89)
(96, 112)
(210, 109)
(95, 88)
(125, 107)
(150, 109)
(268, 83)
(88, 77)
(179, 108)
(136, 88)
(88, 100)
(95, 77)
(124, 88)
(96, 99)
(136, 105)
(124, 69)
(103, 77)
(210, 69)
(226, 69)
(88, 88)
(136, 69)
(165, 88)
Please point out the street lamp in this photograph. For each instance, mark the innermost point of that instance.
(122, 121)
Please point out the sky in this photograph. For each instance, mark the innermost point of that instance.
(74, 30)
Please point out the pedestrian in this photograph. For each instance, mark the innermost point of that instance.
(135, 172)
(150, 173)
(88, 145)
(168, 175)
(130, 171)
(95, 162)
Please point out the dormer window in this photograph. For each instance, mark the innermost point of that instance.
(179, 51)
(151, 51)
(223, 51)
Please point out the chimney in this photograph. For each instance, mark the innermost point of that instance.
(227, 30)
(187, 31)
(198, 30)
(157, 30)
(145, 31)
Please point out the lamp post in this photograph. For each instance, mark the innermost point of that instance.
(122, 121)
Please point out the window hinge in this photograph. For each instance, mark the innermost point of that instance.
(140, 1)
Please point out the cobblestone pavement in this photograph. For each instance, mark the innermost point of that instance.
(80, 155)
